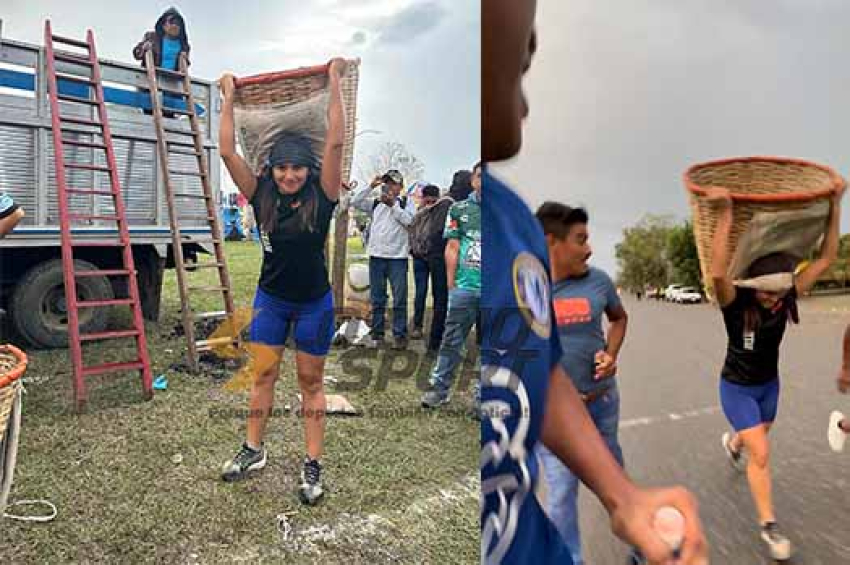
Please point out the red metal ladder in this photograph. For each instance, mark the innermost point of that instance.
(95, 127)
(173, 141)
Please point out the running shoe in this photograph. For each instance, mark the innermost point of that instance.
(246, 461)
(434, 398)
(735, 457)
(777, 543)
(310, 491)
(834, 433)
(372, 342)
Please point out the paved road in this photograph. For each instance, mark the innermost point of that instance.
(672, 426)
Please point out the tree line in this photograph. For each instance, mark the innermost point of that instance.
(660, 250)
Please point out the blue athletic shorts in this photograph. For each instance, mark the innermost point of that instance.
(311, 323)
(749, 406)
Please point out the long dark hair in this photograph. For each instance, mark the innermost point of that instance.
(768, 265)
(271, 199)
(289, 149)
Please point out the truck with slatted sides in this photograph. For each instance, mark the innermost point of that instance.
(31, 283)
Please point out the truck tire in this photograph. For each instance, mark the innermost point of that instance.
(37, 306)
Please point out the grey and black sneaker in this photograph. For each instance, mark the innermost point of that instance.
(735, 457)
(416, 333)
(476, 408)
(372, 342)
(433, 398)
(777, 543)
(310, 490)
(246, 461)
(400, 343)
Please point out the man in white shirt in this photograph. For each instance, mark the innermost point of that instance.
(388, 250)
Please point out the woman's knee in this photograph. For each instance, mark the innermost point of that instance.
(760, 459)
(267, 377)
(310, 380)
(759, 454)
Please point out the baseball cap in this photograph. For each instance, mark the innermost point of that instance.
(393, 176)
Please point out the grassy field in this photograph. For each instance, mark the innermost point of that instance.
(139, 481)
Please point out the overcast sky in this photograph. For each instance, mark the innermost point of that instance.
(626, 95)
(420, 73)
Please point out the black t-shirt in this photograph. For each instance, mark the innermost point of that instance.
(753, 359)
(294, 267)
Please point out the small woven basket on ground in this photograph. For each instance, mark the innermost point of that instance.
(13, 364)
(757, 184)
(298, 85)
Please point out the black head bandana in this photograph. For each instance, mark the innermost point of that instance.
(291, 149)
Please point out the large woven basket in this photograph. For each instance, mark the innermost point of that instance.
(13, 364)
(298, 85)
(757, 184)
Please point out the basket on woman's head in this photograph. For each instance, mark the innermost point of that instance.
(293, 101)
(768, 194)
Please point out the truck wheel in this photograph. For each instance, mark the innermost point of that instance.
(38, 308)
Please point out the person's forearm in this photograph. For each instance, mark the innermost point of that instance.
(846, 356)
(226, 133)
(616, 336)
(452, 254)
(402, 215)
(720, 245)
(8, 223)
(829, 248)
(336, 114)
(571, 435)
(359, 199)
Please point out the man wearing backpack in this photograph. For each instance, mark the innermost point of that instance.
(463, 264)
(428, 247)
(388, 250)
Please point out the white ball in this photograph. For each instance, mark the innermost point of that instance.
(358, 277)
(670, 526)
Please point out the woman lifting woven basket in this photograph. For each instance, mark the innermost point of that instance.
(766, 214)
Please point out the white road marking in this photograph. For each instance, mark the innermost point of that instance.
(635, 422)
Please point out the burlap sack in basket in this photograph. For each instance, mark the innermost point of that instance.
(763, 186)
(793, 232)
(294, 101)
(258, 127)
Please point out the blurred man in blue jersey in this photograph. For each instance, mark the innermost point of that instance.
(526, 396)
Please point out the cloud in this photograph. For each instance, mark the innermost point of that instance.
(412, 22)
(624, 98)
(440, 123)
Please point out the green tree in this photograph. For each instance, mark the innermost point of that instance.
(838, 273)
(641, 255)
(682, 254)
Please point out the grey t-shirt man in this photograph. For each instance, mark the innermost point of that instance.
(580, 303)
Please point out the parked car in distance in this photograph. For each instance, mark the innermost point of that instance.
(687, 295)
(670, 291)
